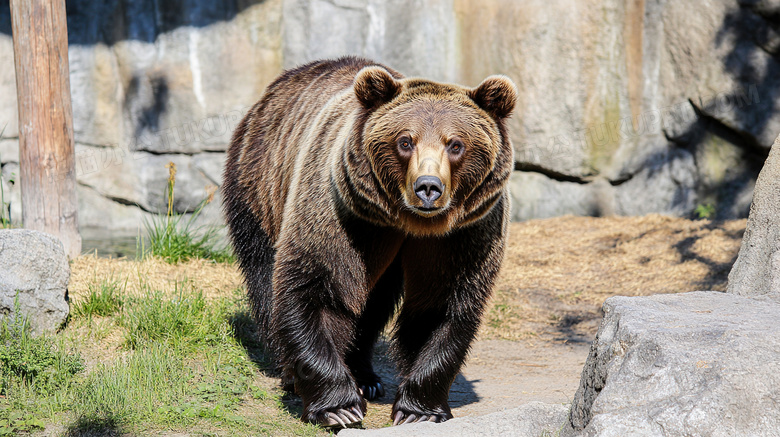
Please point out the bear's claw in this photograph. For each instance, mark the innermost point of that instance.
(414, 418)
(341, 418)
(372, 391)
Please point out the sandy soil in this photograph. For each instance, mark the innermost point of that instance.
(547, 303)
(498, 375)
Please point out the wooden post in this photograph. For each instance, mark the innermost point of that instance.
(46, 149)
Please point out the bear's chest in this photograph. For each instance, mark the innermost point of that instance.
(378, 247)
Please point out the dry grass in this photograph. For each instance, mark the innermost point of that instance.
(557, 272)
(214, 279)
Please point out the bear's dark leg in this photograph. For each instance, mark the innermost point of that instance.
(255, 255)
(448, 281)
(254, 251)
(382, 302)
(312, 327)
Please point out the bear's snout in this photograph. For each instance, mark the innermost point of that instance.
(428, 186)
(428, 189)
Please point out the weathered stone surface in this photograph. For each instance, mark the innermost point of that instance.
(672, 176)
(701, 363)
(422, 43)
(535, 195)
(95, 209)
(170, 77)
(33, 264)
(153, 82)
(722, 62)
(606, 101)
(9, 150)
(141, 178)
(9, 120)
(757, 270)
(530, 420)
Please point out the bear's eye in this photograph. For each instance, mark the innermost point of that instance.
(456, 147)
(405, 144)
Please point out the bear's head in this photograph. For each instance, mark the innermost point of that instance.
(440, 153)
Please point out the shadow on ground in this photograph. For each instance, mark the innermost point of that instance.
(95, 427)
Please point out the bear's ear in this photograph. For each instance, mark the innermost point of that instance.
(497, 95)
(375, 86)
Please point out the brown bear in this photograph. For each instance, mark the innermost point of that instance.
(350, 190)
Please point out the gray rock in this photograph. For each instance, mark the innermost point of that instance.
(163, 77)
(757, 270)
(33, 264)
(672, 176)
(141, 178)
(95, 209)
(535, 195)
(692, 364)
(9, 119)
(423, 43)
(9, 150)
(530, 420)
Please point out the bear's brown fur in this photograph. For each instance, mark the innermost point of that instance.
(348, 187)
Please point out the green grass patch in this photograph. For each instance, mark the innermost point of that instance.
(36, 375)
(181, 320)
(103, 299)
(172, 361)
(705, 211)
(132, 390)
(175, 238)
(32, 363)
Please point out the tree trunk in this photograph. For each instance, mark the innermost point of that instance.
(46, 149)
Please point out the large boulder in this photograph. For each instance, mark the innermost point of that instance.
(533, 419)
(757, 270)
(692, 364)
(34, 268)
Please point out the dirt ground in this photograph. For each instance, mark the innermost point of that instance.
(547, 303)
(558, 272)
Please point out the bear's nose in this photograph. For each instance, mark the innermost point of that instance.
(428, 188)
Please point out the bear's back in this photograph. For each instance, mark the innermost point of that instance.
(262, 155)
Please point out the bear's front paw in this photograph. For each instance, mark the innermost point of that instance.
(405, 415)
(344, 417)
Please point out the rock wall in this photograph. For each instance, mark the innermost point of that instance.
(626, 107)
